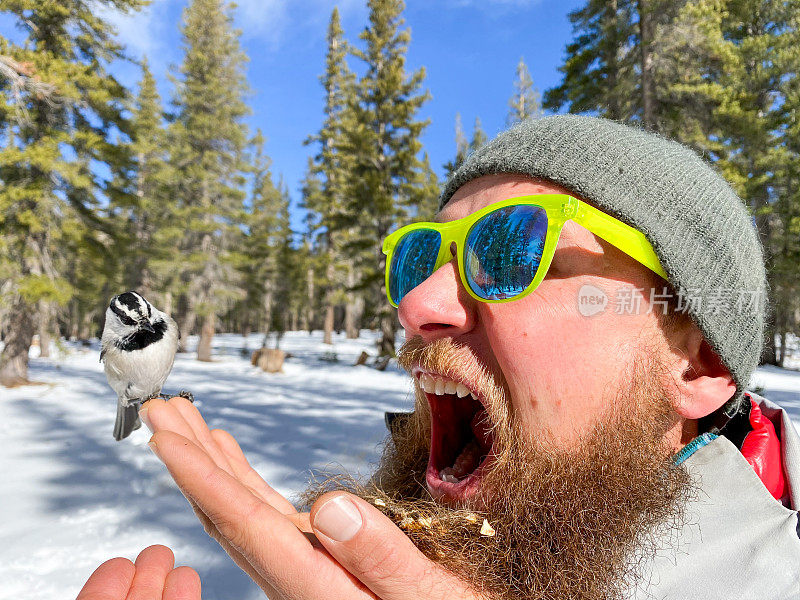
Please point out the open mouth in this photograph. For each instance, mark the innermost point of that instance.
(461, 438)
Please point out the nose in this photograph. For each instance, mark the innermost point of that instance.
(438, 307)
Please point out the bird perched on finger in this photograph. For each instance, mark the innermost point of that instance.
(137, 350)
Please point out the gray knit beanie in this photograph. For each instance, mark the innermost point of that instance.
(697, 225)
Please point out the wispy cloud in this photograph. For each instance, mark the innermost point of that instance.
(276, 22)
(267, 19)
(142, 32)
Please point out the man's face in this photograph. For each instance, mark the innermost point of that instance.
(554, 368)
(566, 449)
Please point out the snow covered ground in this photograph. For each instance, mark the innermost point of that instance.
(71, 497)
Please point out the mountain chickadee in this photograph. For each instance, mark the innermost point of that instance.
(137, 349)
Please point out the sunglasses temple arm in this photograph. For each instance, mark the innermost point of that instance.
(620, 235)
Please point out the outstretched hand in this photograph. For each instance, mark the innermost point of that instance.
(151, 577)
(343, 548)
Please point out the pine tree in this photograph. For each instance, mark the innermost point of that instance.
(208, 138)
(141, 203)
(751, 119)
(331, 166)
(599, 73)
(786, 255)
(316, 258)
(384, 144)
(427, 202)
(462, 148)
(720, 76)
(687, 57)
(288, 280)
(257, 249)
(612, 66)
(526, 100)
(479, 137)
(60, 110)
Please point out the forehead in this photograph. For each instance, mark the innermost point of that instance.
(483, 191)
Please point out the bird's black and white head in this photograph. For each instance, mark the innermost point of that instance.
(134, 322)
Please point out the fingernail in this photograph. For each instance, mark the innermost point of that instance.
(143, 417)
(338, 518)
(154, 448)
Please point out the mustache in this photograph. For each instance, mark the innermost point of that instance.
(442, 355)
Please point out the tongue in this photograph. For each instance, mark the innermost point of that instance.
(465, 463)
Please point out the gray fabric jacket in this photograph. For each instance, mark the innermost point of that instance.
(738, 541)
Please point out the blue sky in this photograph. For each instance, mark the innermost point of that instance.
(470, 49)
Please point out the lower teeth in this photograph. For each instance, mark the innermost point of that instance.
(467, 461)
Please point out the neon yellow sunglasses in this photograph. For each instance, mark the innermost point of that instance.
(505, 249)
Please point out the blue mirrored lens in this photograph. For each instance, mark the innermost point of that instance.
(503, 251)
(413, 261)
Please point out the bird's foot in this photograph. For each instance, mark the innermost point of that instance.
(182, 394)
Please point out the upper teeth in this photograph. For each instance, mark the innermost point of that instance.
(436, 384)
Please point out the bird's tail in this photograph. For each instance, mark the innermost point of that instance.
(127, 421)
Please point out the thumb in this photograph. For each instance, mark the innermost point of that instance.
(373, 549)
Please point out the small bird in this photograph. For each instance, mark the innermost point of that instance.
(137, 350)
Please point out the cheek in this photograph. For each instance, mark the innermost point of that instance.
(559, 364)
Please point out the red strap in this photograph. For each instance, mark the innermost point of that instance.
(762, 449)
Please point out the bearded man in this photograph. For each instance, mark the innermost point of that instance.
(582, 320)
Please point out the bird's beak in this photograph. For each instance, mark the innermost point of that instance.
(147, 327)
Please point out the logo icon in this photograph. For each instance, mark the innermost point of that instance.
(591, 300)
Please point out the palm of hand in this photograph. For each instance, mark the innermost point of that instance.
(285, 552)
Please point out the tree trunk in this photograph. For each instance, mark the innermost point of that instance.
(206, 336)
(329, 316)
(645, 39)
(185, 326)
(352, 318)
(74, 321)
(386, 345)
(769, 354)
(267, 312)
(353, 309)
(310, 307)
(168, 303)
(327, 338)
(19, 335)
(611, 48)
(87, 327)
(45, 319)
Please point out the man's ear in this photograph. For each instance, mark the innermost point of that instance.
(705, 384)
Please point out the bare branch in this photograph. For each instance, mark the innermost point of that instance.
(23, 79)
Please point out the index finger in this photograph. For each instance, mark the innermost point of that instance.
(268, 540)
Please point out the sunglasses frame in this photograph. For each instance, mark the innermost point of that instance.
(559, 209)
